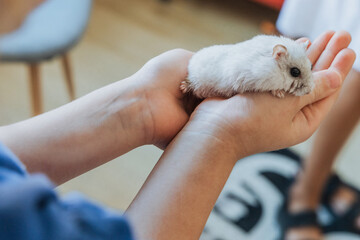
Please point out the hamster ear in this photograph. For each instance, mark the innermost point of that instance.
(279, 51)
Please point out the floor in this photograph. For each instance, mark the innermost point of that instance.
(121, 37)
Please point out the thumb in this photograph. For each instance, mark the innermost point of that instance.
(326, 83)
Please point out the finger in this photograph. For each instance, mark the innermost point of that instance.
(342, 65)
(343, 62)
(304, 40)
(339, 41)
(318, 46)
(327, 81)
(315, 112)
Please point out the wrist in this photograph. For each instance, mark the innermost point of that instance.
(127, 111)
(220, 139)
(231, 121)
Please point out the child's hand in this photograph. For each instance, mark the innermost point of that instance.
(159, 81)
(253, 123)
(160, 78)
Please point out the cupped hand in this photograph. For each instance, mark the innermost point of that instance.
(252, 123)
(159, 81)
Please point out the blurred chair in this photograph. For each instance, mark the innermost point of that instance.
(50, 30)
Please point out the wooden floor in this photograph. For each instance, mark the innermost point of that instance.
(121, 37)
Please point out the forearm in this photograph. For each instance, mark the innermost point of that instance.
(83, 134)
(181, 191)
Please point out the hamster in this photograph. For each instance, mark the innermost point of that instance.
(262, 64)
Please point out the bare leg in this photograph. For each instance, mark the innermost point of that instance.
(333, 133)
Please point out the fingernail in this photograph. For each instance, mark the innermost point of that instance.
(334, 80)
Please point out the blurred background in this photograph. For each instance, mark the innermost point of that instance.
(110, 40)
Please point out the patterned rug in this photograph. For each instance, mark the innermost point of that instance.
(249, 203)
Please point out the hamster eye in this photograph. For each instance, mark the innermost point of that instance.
(295, 72)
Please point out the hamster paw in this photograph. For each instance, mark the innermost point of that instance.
(184, 86)
(278, 93)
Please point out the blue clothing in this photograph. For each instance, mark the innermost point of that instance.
(30, 209)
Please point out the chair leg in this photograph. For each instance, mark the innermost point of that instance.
(68, 75)
(35, 89)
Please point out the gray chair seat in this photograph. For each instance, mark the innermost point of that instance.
(50, 30)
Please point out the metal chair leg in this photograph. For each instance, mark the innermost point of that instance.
(35, 89)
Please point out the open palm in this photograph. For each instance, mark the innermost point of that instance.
(160, 79)
(261, 122)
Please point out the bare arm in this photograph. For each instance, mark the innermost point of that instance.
(177, 197)
(149, 108)
(146, 108)
(81, 135)
(182, 189)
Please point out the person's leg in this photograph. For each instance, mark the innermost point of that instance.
(333, 133)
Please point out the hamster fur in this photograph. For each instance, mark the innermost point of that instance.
(261, 64)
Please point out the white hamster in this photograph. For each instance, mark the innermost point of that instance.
(262, 64)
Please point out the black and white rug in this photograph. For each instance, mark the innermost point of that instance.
(248, 206)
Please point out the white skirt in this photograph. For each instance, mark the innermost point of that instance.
(310, 18)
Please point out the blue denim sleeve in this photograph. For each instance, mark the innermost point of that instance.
(31, 209)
